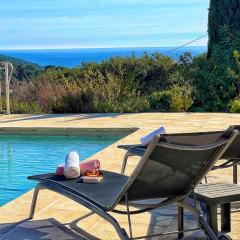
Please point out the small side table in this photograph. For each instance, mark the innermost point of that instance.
(218, 193)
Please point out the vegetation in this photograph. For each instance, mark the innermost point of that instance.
(234, 106)
(23, 70)
(115, 85)
(209, 82)
(131, 84)
(223, 71)
(225, 13)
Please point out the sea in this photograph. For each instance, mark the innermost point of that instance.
(75, 57)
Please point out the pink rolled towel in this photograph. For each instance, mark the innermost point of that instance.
(60, 170)
(91, 165)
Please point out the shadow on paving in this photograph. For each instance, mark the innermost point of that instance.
(165, 220)
(73, 116)
(41, 230)
(162, 220)
(35, 117)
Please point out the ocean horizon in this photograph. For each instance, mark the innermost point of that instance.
(74, 57)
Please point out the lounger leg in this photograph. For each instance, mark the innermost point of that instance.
(211, 234)
(120, 231)
(34, 201)
(105, 215)
(128, 154)
(180, 222)
(129, 217)
(200, 219)
(209, 230)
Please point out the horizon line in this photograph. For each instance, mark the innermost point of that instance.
(82, 48)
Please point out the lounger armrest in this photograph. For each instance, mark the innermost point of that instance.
(135, 150)
(227, 164)
(130, 146)
(131, 152)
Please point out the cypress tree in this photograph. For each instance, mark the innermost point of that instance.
(222, 13)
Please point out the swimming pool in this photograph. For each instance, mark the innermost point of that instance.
(21, 156)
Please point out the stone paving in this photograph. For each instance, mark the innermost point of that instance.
(60, 218)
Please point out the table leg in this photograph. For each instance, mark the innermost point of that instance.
(212, 217)
(226, 217)
(180, 221)
(235, 175)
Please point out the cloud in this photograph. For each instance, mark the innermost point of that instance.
(101, 22)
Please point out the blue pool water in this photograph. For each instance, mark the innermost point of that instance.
(21, 156)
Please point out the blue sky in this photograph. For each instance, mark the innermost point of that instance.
(32, 24)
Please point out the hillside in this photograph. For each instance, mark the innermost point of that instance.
(15, 61)
(23, 70)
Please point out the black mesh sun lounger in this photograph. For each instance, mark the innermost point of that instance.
(165, 171)
(232, 154)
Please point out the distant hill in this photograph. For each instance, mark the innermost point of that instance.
(16, 61)
(23, 70)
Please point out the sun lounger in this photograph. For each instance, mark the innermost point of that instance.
(232, 154)
(158, 175)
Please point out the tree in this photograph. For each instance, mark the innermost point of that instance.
(222, 13)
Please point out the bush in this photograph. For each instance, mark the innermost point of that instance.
(160, 101)
(234, 106)
(73, 103)
(20, 107)
(176, 99)
(181, 98)
(75, 100)
(214, 85)
(116, 94)
(139, 104)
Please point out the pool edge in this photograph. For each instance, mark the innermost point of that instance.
(67, 131)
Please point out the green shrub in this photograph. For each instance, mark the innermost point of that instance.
(116, 94)
(20, 107)
(234, 106)
(176, 99)
(73, 102)
(137, 104)
(181, 98)
(160, 101)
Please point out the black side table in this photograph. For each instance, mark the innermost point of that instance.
(218, 193)
(212, 195)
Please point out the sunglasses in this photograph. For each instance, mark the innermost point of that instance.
(94, 174)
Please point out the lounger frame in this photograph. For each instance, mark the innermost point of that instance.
(233, 161)
(108, 217)
(70, 193)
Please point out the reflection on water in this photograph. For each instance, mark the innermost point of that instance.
(9, 157)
